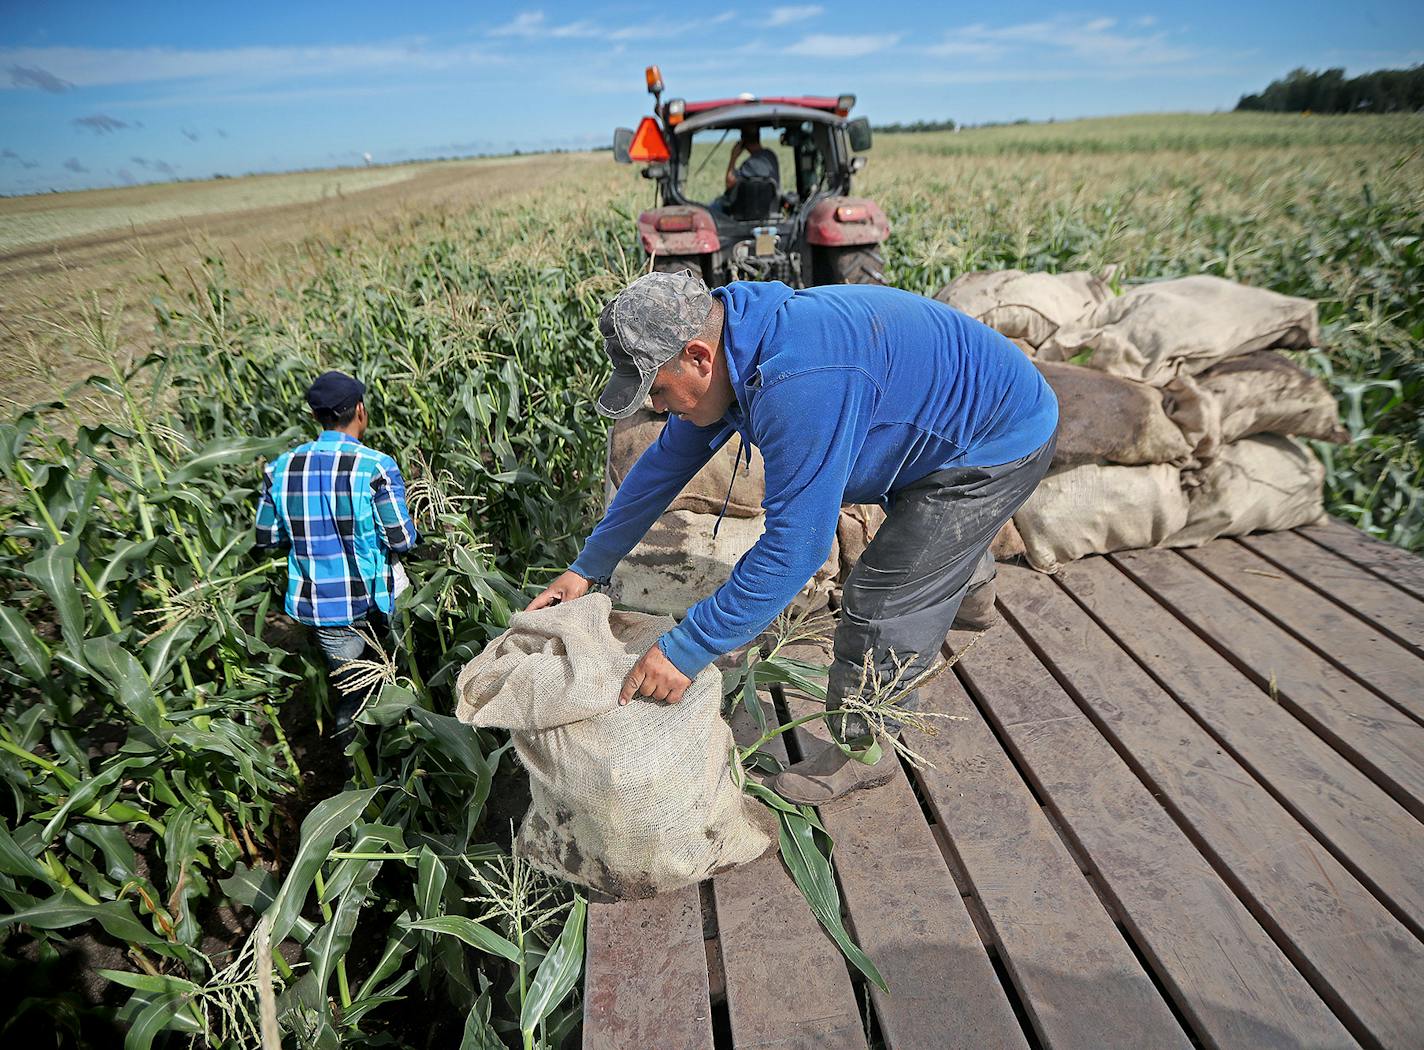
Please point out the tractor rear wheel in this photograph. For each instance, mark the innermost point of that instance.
(858, 264)
(678, 263)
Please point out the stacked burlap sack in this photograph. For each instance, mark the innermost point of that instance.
(632, 800)
(1177, 409)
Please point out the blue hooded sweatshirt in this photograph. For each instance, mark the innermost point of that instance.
(849, 392)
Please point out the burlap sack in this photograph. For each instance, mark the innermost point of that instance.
(1107, 419)
(860, 521)
(1267, 393)
(1008, 544)
(679, 562)
(1257, 483)
(1157, 331)
(708, 488)
(1026, 306)
(857, 527)
(633, 800)
(1091, 509)
(1196, 413)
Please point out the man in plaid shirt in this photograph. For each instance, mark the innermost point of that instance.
(338, 508)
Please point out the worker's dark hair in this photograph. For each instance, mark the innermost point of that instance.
(750, 133)
(335, 417)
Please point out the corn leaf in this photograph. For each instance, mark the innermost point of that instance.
(128, 679)
(471, 932)
(154, 1018)
(811, 871)
(28, 652)
(53, 573)
(559, 971)
(328, 819)
(62, 911)
(478, 1034)
(15, 861)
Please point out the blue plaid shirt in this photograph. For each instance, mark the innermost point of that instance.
(338, 508)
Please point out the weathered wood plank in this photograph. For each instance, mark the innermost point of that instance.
(1350, 644)
(1386, 608)
(646, 978)
(1382, 741)
(1232, 983)
(906, 913)
(1076, 976)
(1391, 564)
(1356, 955)
(787, 985)
(1371, 833)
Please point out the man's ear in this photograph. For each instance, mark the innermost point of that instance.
(699, 356)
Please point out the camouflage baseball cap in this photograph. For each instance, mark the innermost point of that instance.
(644, 327)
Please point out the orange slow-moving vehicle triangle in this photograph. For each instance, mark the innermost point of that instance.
(648, 146)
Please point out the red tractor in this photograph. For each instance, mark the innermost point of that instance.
(753, 222)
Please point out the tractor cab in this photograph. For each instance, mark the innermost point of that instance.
(756, 188)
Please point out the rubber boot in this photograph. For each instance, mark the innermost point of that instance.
(977, 612)
(831, 773)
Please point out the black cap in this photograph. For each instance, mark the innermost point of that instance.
(335, 392)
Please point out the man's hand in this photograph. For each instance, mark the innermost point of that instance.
(655, 677)
(566, 588)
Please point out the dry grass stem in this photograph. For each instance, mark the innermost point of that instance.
(800, 627)
(365, 674)
(879, 700)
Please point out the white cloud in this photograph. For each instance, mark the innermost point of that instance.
(1095, 40)
(953, 48)
(781, 16)
(532, 25)
(86, 66)
(828, 45)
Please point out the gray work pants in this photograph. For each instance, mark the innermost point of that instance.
(901, 598)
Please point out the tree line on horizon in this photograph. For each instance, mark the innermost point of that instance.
(1330, 91)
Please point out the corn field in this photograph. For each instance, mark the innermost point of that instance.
(165, 735)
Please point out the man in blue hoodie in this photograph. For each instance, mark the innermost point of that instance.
(852, 394)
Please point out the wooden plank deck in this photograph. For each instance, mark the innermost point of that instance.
(1182, 808)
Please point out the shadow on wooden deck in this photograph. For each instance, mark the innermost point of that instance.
(1182, 809)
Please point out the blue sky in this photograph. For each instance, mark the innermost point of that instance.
(103, 94)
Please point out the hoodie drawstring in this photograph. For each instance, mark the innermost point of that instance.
(736, 466)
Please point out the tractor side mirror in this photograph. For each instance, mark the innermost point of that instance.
(858, 131)
(622, 141)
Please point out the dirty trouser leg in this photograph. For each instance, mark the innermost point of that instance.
(901, 598)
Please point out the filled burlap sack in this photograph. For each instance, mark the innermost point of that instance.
(679, 562)
(1258, 483)
(1160, 330)
(1267, 393)
(1008, 544)
(1092, 509)
(1107, 419)
(857, 527)
(1025, 306)
(708, 488)
(860, 521)
(630, 800)
(1196, 413)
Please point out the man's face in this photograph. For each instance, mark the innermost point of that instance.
(683, 388)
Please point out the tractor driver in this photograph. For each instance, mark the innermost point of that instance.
(761, 164)
(851, 394)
